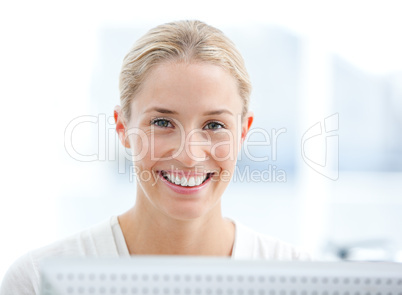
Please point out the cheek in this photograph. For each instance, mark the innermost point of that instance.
(140, 146)
(153, 147)
(161, 145)
(225, 147)
(221, 151)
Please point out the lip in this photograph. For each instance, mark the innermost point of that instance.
(187, 174)
(185, 190)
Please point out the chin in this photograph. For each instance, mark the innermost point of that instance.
(186, 210)
(185, 206)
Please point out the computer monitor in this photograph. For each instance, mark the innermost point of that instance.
(178, 275)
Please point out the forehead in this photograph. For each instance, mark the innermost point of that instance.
(188, 87)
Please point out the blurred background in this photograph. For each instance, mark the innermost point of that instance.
(327, 98)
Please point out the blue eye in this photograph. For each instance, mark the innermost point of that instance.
(214, 125)
(161, 123)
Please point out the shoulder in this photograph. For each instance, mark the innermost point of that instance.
(97, 240)
(22, 277)
(250, 244)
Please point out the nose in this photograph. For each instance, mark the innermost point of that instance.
(195, 148)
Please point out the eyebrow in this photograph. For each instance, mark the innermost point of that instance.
(161, 110)
(209, 113)
(218, 112)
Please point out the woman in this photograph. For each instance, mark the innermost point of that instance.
(184, 94)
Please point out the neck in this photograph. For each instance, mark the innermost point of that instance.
(153, 233)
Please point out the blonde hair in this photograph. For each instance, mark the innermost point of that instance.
(181, 41)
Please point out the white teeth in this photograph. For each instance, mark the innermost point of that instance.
(183, 181)
(198, 180)
(191, 181)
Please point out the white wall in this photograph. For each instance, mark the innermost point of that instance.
(59, 62)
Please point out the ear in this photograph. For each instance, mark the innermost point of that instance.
(246, 125)
(121, 126)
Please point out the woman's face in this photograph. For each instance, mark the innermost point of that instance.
(185, 133)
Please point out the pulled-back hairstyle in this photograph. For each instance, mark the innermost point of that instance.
(181, 41)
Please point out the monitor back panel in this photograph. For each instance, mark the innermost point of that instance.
(161, 275)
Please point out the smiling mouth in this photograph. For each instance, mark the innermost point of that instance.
(184, 181)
